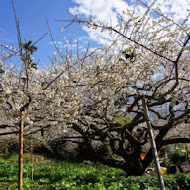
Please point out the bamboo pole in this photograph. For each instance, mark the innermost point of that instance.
(153, 145)
(32, 161)
(20, 178)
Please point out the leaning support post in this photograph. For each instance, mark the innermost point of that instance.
(153, 145)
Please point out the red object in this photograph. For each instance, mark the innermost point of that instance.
(142, 156)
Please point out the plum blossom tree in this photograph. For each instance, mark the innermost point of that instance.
(98, 93)
(156, 66)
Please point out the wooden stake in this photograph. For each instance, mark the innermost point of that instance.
(32, 161)
(20, 178)
(153, 145)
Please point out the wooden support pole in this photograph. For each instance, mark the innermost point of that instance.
(32, 161)
(20, 175)
(153, 145)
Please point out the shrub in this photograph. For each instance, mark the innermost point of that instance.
(176, 156)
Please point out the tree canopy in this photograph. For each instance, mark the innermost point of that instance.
(98, 93)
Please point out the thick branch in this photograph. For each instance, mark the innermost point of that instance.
(175, 141)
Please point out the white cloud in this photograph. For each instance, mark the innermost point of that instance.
(107, 12)
(101, 10)
(3, 36)
(59, 44)
(175, 9)
(2, 30)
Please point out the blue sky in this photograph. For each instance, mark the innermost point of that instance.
(32, 15)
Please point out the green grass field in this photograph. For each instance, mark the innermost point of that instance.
(49, 174)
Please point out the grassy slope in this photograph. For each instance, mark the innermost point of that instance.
(49, 174)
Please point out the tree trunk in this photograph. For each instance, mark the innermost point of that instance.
(134, 168)
(20, 177)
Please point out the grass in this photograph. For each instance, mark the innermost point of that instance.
(50, 174)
